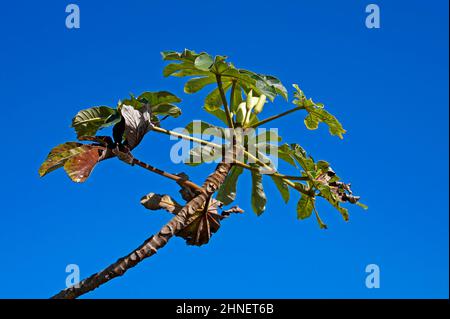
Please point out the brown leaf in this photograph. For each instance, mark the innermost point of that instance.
(154, 201)
(202, 225)
(80, 166)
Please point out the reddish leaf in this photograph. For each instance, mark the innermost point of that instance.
(80, 166)
(58, 156)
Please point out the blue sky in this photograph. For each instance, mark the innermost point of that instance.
(388, 86)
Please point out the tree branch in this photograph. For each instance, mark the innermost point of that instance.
(179, 179)
(150, 246)
(271, 118)
(224, 101)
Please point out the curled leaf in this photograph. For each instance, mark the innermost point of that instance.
(137, 124)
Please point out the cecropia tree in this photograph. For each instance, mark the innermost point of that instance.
(237, 100)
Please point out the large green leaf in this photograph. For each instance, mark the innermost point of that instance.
(202, 64)
(87, 122)
(227, 192)
(258, 196)
(196, 84)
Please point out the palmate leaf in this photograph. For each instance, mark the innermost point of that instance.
(77, 159)
(323, 182)
(160, 103)
(87, 122)
(317, 114)
(206, 68)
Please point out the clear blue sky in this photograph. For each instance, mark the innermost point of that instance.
(389, 87)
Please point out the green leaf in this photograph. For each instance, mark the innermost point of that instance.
(160, 103)
(317, 114)
(236, 98)
(203, 62)
(87, 122)
(277, 85)
(282, 187)
(305, 206)
(196, 84)
(166, 109)
(284, 152)
(227, 192)
(160, 97)
(258, 196)
(213, 100)
(202, 127)
(219, 113)
(191, 63)
(305, 161)
(365, 207)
